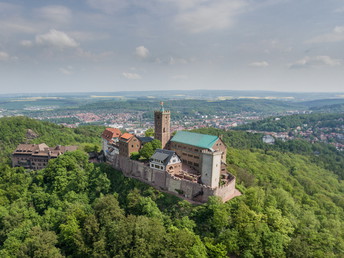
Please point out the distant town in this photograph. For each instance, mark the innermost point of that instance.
(132, 113)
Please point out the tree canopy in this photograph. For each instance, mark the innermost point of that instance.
(290, 206)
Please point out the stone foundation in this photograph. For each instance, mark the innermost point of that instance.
(162, 180)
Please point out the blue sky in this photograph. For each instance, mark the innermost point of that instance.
(115, 45)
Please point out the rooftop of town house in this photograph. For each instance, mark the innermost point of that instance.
(163, 155)
(126, 136)
(42, 150)
(195, 139)
(145, 139)
(110, 133)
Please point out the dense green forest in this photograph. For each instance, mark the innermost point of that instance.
(291, 206)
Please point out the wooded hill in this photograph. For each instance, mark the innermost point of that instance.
(287, 123)
(16, 130)
(290, 207)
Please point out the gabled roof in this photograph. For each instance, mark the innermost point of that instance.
(126, 137)
(144, 140)
(195, 139)
(110, 133)
(42, 150)
(163, 155)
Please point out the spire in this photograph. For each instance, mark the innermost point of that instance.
(162, 106)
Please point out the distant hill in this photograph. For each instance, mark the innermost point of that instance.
(285, 123)
(322, 102)
(16, 130)
(202, 107)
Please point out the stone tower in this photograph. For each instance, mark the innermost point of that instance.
(162, 129)
(211, 168)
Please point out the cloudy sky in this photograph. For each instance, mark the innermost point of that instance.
(115, 45)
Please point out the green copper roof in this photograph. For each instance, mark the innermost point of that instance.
(195, 139)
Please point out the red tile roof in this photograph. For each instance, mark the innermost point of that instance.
(110, 133)
(126, 136)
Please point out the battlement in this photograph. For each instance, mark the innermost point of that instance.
(211, 152)
(184, 186)
(163, 112)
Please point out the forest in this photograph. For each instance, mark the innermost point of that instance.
(291, 205)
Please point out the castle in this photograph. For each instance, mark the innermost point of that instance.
(190, 165)
(37, 156)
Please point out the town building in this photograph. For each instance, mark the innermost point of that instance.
(128, 143)
(189, 147)
(37, 156)
(166, 160)
(110, 137)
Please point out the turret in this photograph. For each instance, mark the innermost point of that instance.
(162, 120)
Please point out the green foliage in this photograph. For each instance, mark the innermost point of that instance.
(135, 155)
(149, 132)
(291, 206)
(149, 148)
(14, 130)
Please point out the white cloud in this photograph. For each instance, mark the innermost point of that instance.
(339, 10)
(187, 4)
(66, 70)
(173, 61)
(88, 35)
(4, 56)
(259, 64)
(204, 15)
(17, 26)
(142, 52)
(55, 13)
(316, 61)
(26, 43)
(132, 76)
(56, 38)
(7, 8)
(336, 35)
(108, 6)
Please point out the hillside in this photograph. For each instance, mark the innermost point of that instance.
(287, 123)
(16, 130)
(290, 207)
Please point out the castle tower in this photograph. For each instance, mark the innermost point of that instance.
(211, 168)
(162, 120)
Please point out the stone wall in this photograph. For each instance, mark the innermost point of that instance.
(167, 182)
